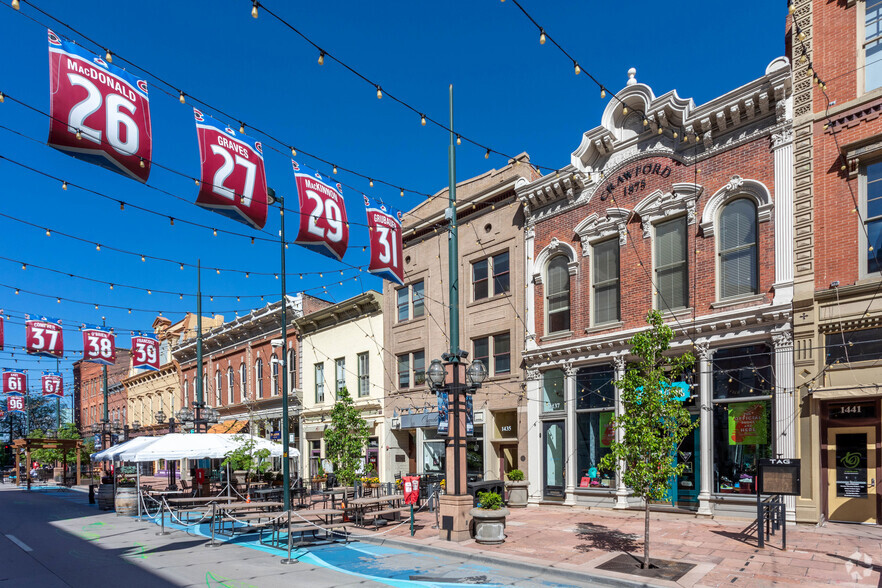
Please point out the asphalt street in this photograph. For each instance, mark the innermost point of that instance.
(53, 538)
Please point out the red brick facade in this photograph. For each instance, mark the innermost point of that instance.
(89, 390)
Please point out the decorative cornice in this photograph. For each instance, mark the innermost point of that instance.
(553, 248)
(596, 227)
(659, 205)
(737, 186)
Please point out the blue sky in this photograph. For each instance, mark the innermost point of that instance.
(512, 94)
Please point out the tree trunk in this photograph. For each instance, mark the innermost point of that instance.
(646, 535)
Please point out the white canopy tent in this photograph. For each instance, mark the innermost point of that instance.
(198, 446)
(113, 453)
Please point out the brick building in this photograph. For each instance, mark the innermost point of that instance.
(838, 237)
(416, 319)
(89, 391)
(686, 209)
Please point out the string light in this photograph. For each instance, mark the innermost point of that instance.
(321, 59)
(218, 271)
(180, 296)
(79, 135)
(602, 92)
(181, 97)
(423, 119)
(800, 35)
(487, 154)
(624, 110)
(143, 258)
(541, 36)
(48, 233)
(182, 266)
(242, 127)
(402, 193)
(790, 7)
(335, 170)
(293, 152)
(58, 300)
(171, 221)
(24, 266)
(111, 286)
(371, 182)
(379, 92)
(141, 163)
(122, 205)
(577, 68)
(254, 13)
(2, 97)
(97, 246)
(108, 57)
(64, 185)
(16, 290)
(16, 6)
(214, 231)
(458, 140)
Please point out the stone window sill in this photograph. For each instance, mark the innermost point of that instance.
(738, 300)
(557, 336)
(605, 326)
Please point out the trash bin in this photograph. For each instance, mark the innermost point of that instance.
(497, 486)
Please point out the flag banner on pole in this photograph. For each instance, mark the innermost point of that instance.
(15, 382)
(53, 384)
(443, 418)
(1, 330)
(233, 176)
(470, 415)
(145, 351)
(384, 226)
(15, 404)
(323, 224)
(99, 345)
(44, 336)
(98, 112)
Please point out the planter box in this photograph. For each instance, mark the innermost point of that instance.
(517, 493)
(489, 525)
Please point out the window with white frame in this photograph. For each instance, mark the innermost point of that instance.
(274, 375)
(411, 369)
(605, 278)
(738, 249)
(410, 301)
(319, 382)
(218, 386)
(230, 379)
(871, 204)
(490, 276)
(258, 377)
(186, 392)
(872, 45)
(364, 379)
(557, 297)
(496, 346)
(243, 381)
(340, 373)
(671, 270)
(292, 370)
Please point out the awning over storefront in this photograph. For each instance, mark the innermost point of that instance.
(229, 426)
(420, 420)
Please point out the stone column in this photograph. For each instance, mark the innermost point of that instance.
(782, 148)
(534, 430)
(621, 490)
(570, 465)
(529, 296)
(784, 402)
(706, 415)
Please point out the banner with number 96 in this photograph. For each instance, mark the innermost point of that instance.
(99, 345)
(98, 112)
(323, 224)
(44, 336)
(53, 384)
(145, 352)
(15, 382)
(384, 225)
(15, 404)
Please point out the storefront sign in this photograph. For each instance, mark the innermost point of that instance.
(852, 411)
(779, 476)
(443, 419)
(607, 430)
(748, 424)
(851, 465)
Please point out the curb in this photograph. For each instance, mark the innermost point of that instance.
(583, 578)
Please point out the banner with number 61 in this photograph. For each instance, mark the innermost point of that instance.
(53, 384)
(44, 336)
(99, 345)
(15, 382)
(145, 352)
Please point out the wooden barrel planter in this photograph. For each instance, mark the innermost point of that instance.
(127, 501)
(105, 497)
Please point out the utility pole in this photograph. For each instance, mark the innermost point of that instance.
(199, 391)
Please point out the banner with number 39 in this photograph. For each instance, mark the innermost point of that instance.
(145, 352)
(99, 345)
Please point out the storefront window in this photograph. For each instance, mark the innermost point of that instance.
(742, 416)
(553, 390)
(595, 388)
(595, 435)
(433, 454)
(475, 455)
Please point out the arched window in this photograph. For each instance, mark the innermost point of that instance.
(243, 381)
(274, 363)
(738, 249)
(557, 297)
(230, 385)
(218, 386)
(258, 378)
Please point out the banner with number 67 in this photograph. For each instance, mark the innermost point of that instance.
(323, 224)
(15, 382)
(384, 225)
(53, 384)
(44, 336)
(99, 345)
(98, 112)
(145, 352)
(233, 177)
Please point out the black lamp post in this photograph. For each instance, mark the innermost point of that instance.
(172, 479)
(136, 426)
(456, 391)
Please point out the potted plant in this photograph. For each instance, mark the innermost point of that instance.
(489, 519)
(517, 488)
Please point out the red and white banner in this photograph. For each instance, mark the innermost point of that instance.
(15, 404)
(15, 382)
(98, 112)
(53, 384)
(233, 177)
(411, 488)
(44, 336)
(99, 345)
(145, 352)
(323, 224)
(384, 227)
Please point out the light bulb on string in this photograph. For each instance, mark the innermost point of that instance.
(182, 266)
(645, 122)
(487, 154)
(402, 193)
(293, 152)
(79, 135)
(214, 231)
(541, 36)
(180, 296)
(16, 6)
(321, 59)
(24, 266)
(602, 92)
(242, 128)
(790, 7)
(423, 119)
(141, 163)
(171, 221)
(58, 300)
(2, 97)
(371, 182)
(64, 185)
(122, 205)
(801, 36)
(181, 98)
(143, 258)
(217, 270)
(624, 110)
(576, 67)
(335, 170)
(48, 233)
(97, 246)
(16, 290)
(108, 57)
(458, 140)
(379, 93)
(254, 13)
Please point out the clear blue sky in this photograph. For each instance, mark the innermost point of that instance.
(512, 94)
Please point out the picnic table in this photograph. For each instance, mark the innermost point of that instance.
(303, 522)
(200, 499)
(361, 508)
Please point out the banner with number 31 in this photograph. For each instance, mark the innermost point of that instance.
(99, 345)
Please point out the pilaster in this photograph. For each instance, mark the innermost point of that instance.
(785, 406)
(570, 464)
(706, 383)
(529, 301)
(621, 490)
(782, 148)
(534, 442)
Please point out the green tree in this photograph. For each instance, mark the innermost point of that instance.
(246, 457)
(345, 438)
(653, 423)
(69, 457)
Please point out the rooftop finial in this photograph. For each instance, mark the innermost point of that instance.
(631, 79)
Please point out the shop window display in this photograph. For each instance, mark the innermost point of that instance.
(595, 399)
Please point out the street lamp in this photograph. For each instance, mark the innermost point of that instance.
(286, 467)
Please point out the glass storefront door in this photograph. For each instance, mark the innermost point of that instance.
(553, 458)
(851, 474)
(684, 489)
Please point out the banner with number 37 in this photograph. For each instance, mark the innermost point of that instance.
(99, 345)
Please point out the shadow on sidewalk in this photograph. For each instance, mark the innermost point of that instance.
(747, 535)
(605, 539)
(860, 567)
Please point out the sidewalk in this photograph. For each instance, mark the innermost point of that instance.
(568, 538)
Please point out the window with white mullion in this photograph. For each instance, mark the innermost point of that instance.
(738, 249)
(363, 374)
(872, 44)
(605, 273)
(873, 216)
(558, 295)
(671, 271)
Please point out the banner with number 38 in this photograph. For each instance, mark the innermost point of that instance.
(99, 112)
(145, 352)
(99, 345)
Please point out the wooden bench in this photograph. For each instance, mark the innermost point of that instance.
(302, 528)
(376, 515)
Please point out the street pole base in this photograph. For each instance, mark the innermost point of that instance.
(164, 533)
(289, 561)
(212, 543)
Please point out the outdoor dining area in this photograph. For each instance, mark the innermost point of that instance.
(221, 502)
